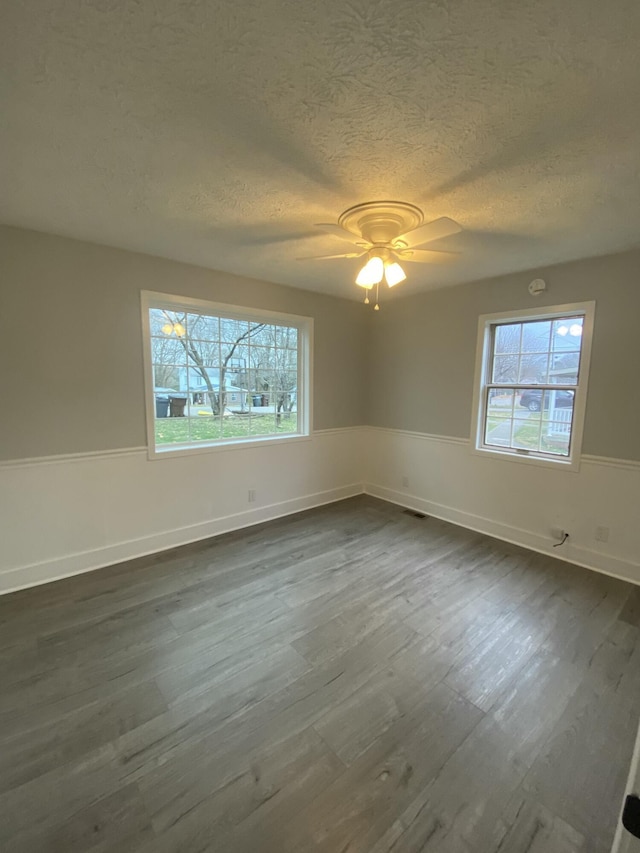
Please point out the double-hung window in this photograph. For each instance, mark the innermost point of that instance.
(531, 383)
(219, 374)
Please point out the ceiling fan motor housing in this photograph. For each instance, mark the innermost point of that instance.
(381, 222)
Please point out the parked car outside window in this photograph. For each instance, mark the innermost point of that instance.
(531, 399)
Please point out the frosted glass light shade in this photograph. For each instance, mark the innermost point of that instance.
(394, 274)
(371, 273)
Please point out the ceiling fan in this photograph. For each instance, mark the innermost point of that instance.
(388, 232)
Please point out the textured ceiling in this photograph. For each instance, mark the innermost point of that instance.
(219, 132)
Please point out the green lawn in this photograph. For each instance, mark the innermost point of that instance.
(202, 428)
(528, 431)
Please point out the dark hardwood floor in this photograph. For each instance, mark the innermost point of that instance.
(348, 680)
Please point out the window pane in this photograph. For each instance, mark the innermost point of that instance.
(533, 368)
(203, 327)
(235, 398)
(498, 430)
(286, 337)
(567, 333)
(167, 323)
(564, 368)
(262, 334)
(535, 336)
(531, 399)
(171, 430)
(501, 402)
(286, 400)
(168, 351)
(558, 406)
(499, 417)
(507, 338)
(195, 379)
(232, 331)
(541, 421)
(526, 432)
(156, 321)
(505, 368)
(262, 357)
(286, 381)
(234, 425)
(284, 367)
(264, 423)
(166, 377)
(204, 425)
(556, 434)
(205, 358)
(288, 420)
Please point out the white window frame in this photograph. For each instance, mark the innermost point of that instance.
(486, 323)
(151, 299)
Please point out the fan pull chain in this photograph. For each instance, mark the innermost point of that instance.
(366, 297)
(376, 307)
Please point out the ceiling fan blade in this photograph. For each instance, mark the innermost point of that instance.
(435, 230)
(426, 256)
(339, 231)
(329, 257)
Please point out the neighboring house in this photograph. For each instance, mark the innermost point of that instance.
(235, 398)
(190, 382)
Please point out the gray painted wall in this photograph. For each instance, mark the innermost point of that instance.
(71, 352)
(422, 351)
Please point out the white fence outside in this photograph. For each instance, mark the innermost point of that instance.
(560, 421)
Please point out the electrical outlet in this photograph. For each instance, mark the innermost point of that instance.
(601, 534)
(252, 496)
(405, 482)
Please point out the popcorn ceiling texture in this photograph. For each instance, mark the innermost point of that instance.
(219, 132)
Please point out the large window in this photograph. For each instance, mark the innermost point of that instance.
(531, 383)
(217, 374)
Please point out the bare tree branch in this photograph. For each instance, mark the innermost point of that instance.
(218, 399)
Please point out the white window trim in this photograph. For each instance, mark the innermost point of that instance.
(483, 358)
(151, 299)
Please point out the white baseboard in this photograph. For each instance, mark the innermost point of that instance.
(87, 561)
(70, 514)
(603, 563)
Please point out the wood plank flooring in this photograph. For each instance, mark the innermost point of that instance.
(347, 680)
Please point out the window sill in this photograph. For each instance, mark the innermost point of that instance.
(173, 451)
(560, 464)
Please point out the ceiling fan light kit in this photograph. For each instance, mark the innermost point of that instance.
(371, 273)
(394, 274)
(388, 232)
